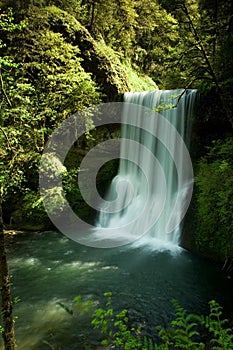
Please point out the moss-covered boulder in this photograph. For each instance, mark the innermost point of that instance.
(112, 75)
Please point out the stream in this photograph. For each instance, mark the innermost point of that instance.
(48, 270)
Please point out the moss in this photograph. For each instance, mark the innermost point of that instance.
(139, 81)
(111, 74)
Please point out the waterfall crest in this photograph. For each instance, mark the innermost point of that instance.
(152, 190)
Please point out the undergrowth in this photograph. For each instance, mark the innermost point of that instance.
(186, 331)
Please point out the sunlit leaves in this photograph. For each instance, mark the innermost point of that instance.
(7, 24)
(45, 83)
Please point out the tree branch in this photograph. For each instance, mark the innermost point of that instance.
(7, 139)
(209, 67)
(201, 45)
(4, 91)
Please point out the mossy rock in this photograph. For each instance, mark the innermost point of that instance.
(111, 75)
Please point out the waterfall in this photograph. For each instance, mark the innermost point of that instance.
(153, 187)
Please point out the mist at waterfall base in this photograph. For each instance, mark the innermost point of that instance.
(152, 190)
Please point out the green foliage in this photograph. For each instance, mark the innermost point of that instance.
(62, 86)
(58, 59)
(222, 337)
(7, 25)
(184, 331)
(115, 328)
(83, 306)
(73, 194)
(105, 64)
(158, 39)
(75, 7)
(193, 36)
(214, 216)
(42, 83)
(79, 306)
(12, 116)
(32, 208)
(29, 213)
(114, 21)
(137, 80)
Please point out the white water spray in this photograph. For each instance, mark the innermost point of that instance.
(153, 189)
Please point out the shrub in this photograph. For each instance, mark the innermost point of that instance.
(214, 216)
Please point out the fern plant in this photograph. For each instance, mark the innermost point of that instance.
(115, 328)
(222, 334)
(182, 332)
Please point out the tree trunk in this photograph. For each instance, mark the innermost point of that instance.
(92, 16)
(7, 309)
